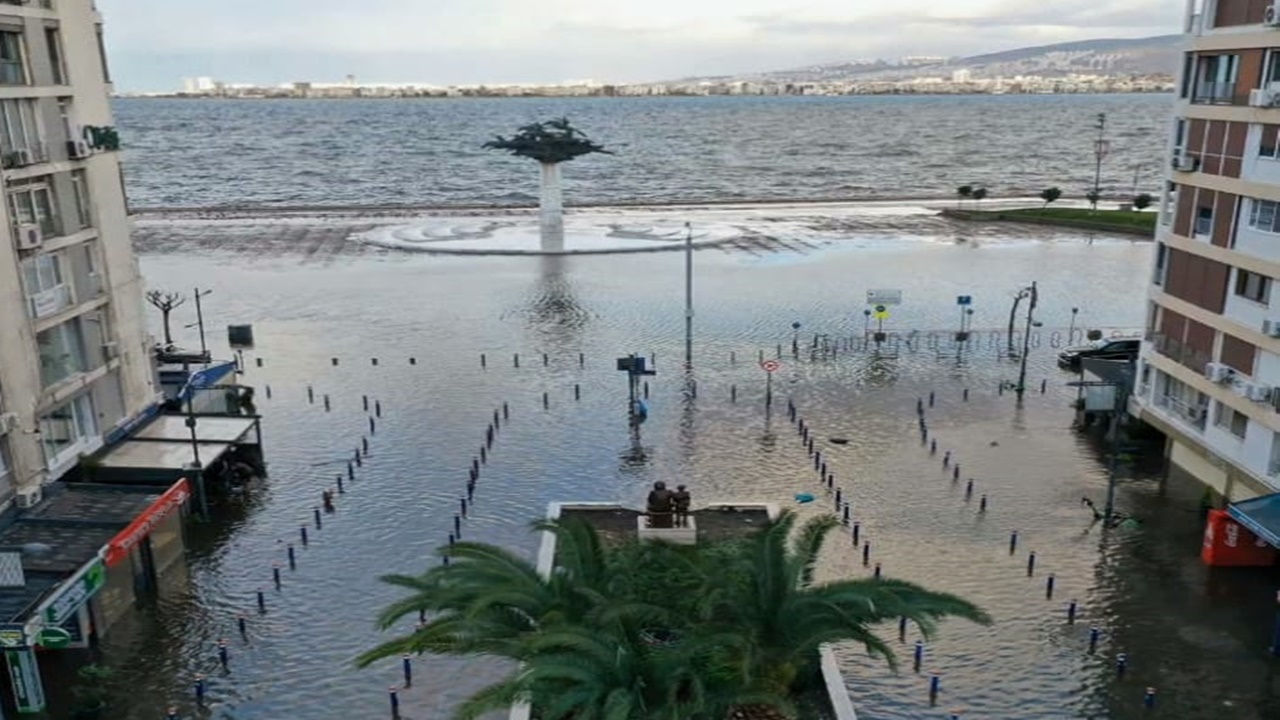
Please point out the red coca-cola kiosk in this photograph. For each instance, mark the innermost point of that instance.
(1227, 543)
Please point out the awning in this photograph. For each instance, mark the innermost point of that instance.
(1261, 515)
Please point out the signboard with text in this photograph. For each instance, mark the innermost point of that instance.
(28, 692)
(884, 297)
(74, 593)
(123, 543)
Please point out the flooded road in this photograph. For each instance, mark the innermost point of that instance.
(1197, 636)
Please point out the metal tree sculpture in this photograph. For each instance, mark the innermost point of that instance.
(550, 143)
(165, 302)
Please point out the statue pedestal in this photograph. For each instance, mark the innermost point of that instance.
(687, 535)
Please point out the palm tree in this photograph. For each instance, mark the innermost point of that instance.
(782, 617)
(1049, 194)
(963, 192)
(550, 143)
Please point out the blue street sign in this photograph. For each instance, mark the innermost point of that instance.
(964, 299)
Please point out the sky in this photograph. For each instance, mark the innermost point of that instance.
(153, 44)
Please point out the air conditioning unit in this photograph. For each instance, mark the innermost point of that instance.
(22, 158)
(78, 149)
(8, 422)
(30, 497)
(1185, 162)
(1267, 97)
(1271, 328)
(1217, 372)
(1258, 393)
(29, 237)
(1271, 16)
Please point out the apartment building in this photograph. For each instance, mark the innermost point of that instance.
(74, 362)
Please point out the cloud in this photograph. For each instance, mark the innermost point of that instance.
(154, 43)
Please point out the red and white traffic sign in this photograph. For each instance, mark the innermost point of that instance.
(770, 365)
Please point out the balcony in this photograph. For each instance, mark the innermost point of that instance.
(1194, 416)
(1218, 93)
(51, 301)
(1179, 352)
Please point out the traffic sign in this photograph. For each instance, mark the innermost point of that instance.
(12, 635)
(884, 297)
(770, 366)
(881, 312)
(964, 299)
(73, 593)
(53, 638)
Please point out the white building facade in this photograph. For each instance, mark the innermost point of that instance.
(74, 359)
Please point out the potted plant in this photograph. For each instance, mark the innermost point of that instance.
(91, 692)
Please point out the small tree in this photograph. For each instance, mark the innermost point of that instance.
(1142, 201)
(165, 302)
(1050, 194)
(962, 192)
(980, 194)
(1093, 196)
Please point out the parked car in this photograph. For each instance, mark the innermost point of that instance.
(1104, 349)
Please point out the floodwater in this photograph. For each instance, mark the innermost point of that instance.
(1199, 637)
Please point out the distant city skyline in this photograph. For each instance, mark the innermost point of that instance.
(153, 44)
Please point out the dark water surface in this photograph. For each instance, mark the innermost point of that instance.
(428, 152)
(1198, 636)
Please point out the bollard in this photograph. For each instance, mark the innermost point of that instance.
(377, 408)
(515, 360)
(444, 561)
(1000, 389)
(1149, 699)
(822, 470)
(866, 553)
(406, 665)
(1031, 563)
(966, 394)
(471, 491)
(342, 488)
(293, 558)
(1122, 664)
(955, 472)
(544, 359)
(982, 503)
(968, 489)
(484, 455)
(268, 389)
(316, 513)
(303, 531)
(373, 361)
(262, 601)
(451, 539)
(373, 427)
(311, 395)
(275, 575)
(779, 349)
(917, 656)
(935, 685)
(413, 361)
(506, 411)
(1071, 612)
(920, 406)
(199, 689)
(857, 532)
(1043, 384)
(356, 456)
(1094, 633)
(364, 400)
(838, 498)
(224, 657)
(646, 389)
(243, 625)
(733, 393)
(577, 395)
(845, 518)
(1013, 542)
(902, 628)
(930, 398)
(1048, 587)
(395, 702)
(457, 526)
(581, 360)
(946, 459)
(326, 403)
(817, 461)
(933, 447)
(546, 401)
(351, 471)
(831, 480)
(483, 361)
(463, 503)
(877, 571)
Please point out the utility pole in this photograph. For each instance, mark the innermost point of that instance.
(204, 350)
(1026, 343)
(1100, 149)
(688, 298)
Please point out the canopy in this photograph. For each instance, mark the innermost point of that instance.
(1261, 515)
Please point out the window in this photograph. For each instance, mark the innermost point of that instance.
(46, 287)
(32, 203)
(1204, 221)
(61, 352)
(1271, 71)
(1232, 421)
(1253, 286)
(19, 127)
(1162, 260)
(80, 188)
(1216, 78)
(13, 69)
(102, 55)
(1269, 140)
(53, 41)
(1264, 215)
(65, 430)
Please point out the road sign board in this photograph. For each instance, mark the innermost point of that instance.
(12, 635)
(884, 297)
(74, 592)
(881, 312)
(964, 299)
(770, 365)
(53, 637)
(28, 692)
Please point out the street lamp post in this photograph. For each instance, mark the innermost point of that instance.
(1013, 317)
(688, 298)
(795, 338)
(1101, 147)
(1033, 295)
(1071, 329)
(204, 349)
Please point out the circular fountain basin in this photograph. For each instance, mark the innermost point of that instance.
(480, 236)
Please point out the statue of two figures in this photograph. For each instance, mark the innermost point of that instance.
(668, 508)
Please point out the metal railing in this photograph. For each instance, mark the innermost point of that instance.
(1179, 352)
(1215, 93)
(51, 301)
(1193, 415)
